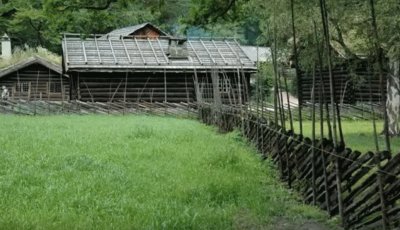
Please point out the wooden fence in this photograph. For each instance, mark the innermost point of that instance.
(362, 188)
(23, 107)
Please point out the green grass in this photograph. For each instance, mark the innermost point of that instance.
(136, 172)
(358, 135)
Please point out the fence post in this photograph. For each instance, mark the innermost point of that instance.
(339, 188)
(326, 184)
(287, 156)
(385, 221)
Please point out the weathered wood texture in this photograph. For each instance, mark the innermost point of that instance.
(147, 32)
(36, 82)
(370, 183)
(23, 107)
(151, 87)
(350, 86)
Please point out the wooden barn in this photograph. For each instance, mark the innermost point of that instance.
(155, 69)
(35, 78)
(353, 83)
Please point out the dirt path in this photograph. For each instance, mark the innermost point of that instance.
(244, 221)
(285, 224)
(294, 101)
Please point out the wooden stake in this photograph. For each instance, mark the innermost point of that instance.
(333, 101)
(298, 75)
(313, 140)
(379, 54)
(321, 110)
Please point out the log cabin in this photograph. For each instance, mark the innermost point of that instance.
(155, 69)
(35, 78)
(355, 81)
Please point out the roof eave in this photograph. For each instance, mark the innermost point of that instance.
(27, 62)
(251, 69)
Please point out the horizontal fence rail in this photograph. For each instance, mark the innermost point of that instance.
(23, 107)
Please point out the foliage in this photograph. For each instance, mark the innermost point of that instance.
(22, 54)
(100, 172)
(264, 79)
(41, 22)
(224, 18)
(349, 22)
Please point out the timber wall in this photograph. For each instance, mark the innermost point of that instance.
(153, 87)
(350, 87)
(36, 82)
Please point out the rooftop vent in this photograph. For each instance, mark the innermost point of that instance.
(177, 49)
(5, 47)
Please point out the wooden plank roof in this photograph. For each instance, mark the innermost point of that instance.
(30, 61)
(131, 53)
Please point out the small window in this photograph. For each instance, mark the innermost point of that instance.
(224, 85)
(55, 87)
(23, 87)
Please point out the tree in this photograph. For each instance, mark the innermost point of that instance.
(349, 22)
(41, 22)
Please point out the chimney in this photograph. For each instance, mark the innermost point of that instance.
(177, 49)
(5, 47)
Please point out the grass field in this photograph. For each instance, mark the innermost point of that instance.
(137, 172)
(358, 135)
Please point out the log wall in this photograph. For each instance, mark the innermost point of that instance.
(350, 88)
(36, 82)
(154, 87)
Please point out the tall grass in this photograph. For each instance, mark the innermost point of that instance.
(136, 172)
(358, 135)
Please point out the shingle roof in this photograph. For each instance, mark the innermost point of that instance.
(29, 61)
(130, 53)
(126, 31)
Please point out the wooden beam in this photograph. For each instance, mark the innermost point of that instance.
(219, 52)
(165, 56)
(208, 52)
(230, 47)
(97, 48)
(84, 52)
(140, 51)
(112, 51)
(197, 55)
(154, 52)
(126, 51)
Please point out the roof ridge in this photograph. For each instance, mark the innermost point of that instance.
(30, 60)
(133, 28)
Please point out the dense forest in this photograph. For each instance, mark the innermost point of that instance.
(41, 22)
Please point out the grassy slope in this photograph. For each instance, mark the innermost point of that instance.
(96, 172)
(358, 135)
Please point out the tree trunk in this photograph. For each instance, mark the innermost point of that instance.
(393, 97)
